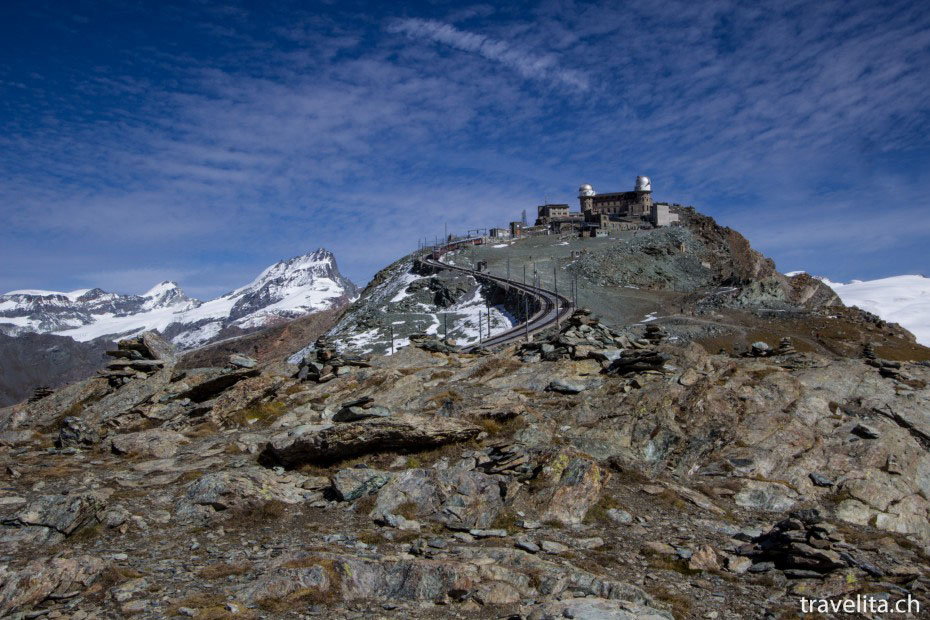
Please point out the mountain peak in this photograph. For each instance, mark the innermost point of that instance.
(287, 289)
(166, 294)
(161, 288)
(321, 253)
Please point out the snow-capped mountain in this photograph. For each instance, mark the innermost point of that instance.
(287, 289)
(904, 300)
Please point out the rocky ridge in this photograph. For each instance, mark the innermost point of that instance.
(593, 471)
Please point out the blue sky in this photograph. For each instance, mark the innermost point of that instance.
(202, 141)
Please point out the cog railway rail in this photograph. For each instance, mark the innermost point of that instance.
(552, 306)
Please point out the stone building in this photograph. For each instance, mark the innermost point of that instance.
(558, 218)
(604, 214)
(552, 211)
(625, 204)
(660, 215)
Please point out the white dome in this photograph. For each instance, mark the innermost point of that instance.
(585, 190)
(643, 184)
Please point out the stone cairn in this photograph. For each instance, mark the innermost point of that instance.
(326, 362)
(785, 347)
(887, 368)
(584, 337)
(655, 334)
(134, 358)
(803, 546)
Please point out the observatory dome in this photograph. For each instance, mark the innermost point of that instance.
(643, 184)
(585, 190)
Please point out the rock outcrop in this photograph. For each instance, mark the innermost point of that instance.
(340, 441)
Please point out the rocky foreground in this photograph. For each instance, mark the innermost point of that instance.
(589, 474)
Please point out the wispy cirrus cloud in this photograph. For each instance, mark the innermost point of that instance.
(540, 66)
(242, 138)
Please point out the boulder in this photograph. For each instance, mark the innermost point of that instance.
(800, 542)
(156, 442)
(571, 484)
(158, 348)
(64, 514)
(704, 558)
(126, 398)
(638, 361)
(351, 484)
(456, 498)
(210, 386)
(40, 579)
(15, 439)
(244, 394)
(621, 517)
(242, 488)
(565, 386)
(329, 443)
(242, 361)
(356, 413)
(76, 433)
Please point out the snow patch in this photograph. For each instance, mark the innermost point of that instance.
(899, 299)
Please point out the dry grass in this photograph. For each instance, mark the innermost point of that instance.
(221, 570)
(88, 532)
(598, 512)
(114, 575)
(660, 561)
(506, 520)
(204, 429)
(297, 388)
(673, 501)
(261, 414)
(209, 602)
(676, 602)
(501, 428)
(257, 515)
(445, 399)
(371, 537)
(407, 510)
(53, 470)
(493, 368)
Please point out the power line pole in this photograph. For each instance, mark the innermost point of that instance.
(555, 283)
(526, 316)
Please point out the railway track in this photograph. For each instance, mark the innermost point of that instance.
(552, 306)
